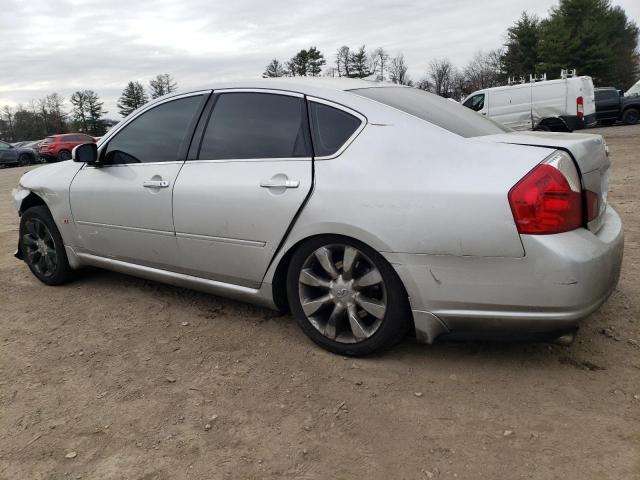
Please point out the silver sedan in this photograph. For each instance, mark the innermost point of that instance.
(368, 210)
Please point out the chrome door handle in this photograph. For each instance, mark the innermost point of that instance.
(280, 183)
(155, 184)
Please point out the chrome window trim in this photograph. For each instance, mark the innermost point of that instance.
(268, 159)
(349, 141)
(271, 91)
(173, 162)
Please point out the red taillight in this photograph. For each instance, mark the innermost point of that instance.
(593, 205)
(580, 107)
(543, 202)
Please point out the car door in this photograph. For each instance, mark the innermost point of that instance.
(234, 201)
(8, 154)
(122, 207)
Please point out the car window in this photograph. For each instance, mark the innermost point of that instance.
(48, 140)
(4, 146)
(154, 136)
(434, 109)
(330, 128)
(248, 125)
(475, 103)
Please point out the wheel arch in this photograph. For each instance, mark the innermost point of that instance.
(32, 200)
(554, 124)
(278, 273)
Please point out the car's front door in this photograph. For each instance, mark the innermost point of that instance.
(122, 208)
(234, 202)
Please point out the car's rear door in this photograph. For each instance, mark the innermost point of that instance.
(123, 208)
(250, 174)
(8, 154)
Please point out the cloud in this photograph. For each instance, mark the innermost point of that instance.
(64, 45)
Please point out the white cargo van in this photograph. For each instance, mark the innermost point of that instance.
(565, 104)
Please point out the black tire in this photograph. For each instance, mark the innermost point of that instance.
(60, 272)
(396, 318)
(631, 116)
(64, 155)
(24, 159)
(542, 128)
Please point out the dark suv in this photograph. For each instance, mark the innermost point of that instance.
(59, 147)
(612, 105)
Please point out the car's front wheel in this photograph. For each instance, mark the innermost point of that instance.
(42, 247)
(631, 116)
(346, 297)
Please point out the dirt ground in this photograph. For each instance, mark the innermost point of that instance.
(137, 380)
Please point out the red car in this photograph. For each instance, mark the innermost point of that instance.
(59, 147)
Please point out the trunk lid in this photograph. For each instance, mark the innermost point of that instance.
(588, 151)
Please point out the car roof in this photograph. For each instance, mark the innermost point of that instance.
(329, 88)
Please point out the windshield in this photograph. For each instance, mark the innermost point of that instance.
(633, 91)
(434, 109)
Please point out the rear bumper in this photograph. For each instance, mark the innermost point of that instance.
(575, 123)
(561, 279)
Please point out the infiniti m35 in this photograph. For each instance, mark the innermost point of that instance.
(366, 209)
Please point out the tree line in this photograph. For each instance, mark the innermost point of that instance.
(592, 36)
(48, 116)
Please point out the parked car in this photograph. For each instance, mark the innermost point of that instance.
(612, 105)
(563, 105)
(366, 209)
(27, 152)
(59, 147)
(8, 155)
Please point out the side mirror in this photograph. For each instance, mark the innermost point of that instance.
(85, 153)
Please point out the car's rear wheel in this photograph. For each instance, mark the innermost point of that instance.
(42, 247)
(64, 155)
(346, 297)
(24, 159)
(631, 116)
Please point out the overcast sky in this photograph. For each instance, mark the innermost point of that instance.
(65, 45)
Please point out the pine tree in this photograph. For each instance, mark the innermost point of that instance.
(79, 112)
(163, 84)
(521, 57)
(274, 69)
(593, 37)
(95, 112)
(359, 63)
(132, 98)
(315, 61)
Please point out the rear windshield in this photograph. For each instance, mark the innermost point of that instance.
(434, 109)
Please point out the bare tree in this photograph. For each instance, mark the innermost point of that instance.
(440, 76)
(162, 85)
(379, 63)
(343, 61)
(398, 70)
(485, 70)
(8, 117)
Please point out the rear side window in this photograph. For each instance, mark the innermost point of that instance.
(154, 136)
(434, 109)
(248, 125)
(330, 128)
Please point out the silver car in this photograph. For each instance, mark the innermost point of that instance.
(367, 209)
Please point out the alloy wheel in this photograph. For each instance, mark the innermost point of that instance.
(342, 293)
(39, 247)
